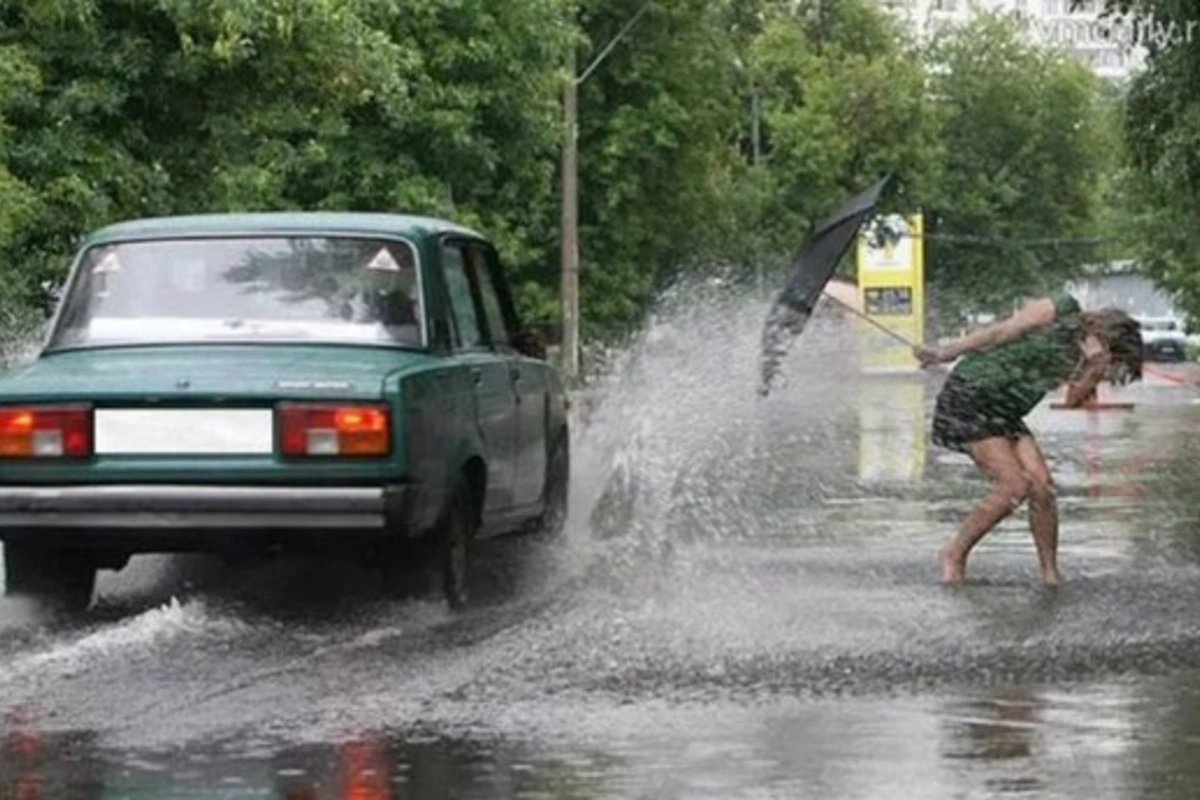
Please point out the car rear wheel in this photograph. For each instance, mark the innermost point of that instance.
(60, 576)
(556, 493)
(455, 539)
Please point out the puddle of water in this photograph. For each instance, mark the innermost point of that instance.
(1110, 740)
(746, 607)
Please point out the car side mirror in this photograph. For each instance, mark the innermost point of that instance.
(531, 342)
(51, 294)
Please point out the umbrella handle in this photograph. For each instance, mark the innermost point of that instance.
(872, 321)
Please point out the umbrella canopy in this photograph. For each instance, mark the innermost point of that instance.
(813, 270)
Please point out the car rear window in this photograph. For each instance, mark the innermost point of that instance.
(332, 289)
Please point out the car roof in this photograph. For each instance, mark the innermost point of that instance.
(279, 222)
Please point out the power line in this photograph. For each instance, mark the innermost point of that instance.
(998, 241)
(1005, 241)
(615, 41)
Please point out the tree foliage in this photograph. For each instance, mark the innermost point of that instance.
(1161, 184)
(132, 107)
(714, 132)
(1023, 136)
(844, 103)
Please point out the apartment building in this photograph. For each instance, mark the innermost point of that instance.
(1110, 46)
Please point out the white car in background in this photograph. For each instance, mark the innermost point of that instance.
(1164, 338)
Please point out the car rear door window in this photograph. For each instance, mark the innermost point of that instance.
(493, 312)
(462, 302)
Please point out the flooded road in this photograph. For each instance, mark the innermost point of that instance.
(746, 606)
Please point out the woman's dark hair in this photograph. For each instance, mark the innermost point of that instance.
(1123, 335)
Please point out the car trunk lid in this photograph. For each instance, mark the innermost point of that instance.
(201, 374)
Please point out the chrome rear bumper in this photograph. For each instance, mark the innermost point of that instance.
(197, 507)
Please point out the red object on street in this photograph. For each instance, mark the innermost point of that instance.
(1173, 377)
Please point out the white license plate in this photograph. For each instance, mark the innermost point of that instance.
(184, 431)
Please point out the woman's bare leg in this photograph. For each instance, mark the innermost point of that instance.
(997, 458)
(1043, 507)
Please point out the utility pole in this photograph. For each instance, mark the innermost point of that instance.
(755, 160)
(570, 198)
(570, 224)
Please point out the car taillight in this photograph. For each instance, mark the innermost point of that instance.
(334, 430)
(45, 431)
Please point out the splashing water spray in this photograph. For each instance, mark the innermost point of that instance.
(676, 444)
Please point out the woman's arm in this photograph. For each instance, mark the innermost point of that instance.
(1033, 315)
(1079, 391)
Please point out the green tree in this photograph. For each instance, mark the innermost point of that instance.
(137, 107)
(1024, 142)
(844, 103)
(132, 107)
(1162, 139)
(656, 125)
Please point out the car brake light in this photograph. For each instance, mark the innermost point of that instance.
(45, 431)
(334, 430)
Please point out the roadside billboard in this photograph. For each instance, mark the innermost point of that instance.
(891, 287)
(891, 291)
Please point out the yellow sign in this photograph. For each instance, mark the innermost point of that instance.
(891, 290)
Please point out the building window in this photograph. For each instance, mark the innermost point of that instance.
(945, 5)
(1052, 8)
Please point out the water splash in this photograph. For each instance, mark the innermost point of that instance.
(172, 620)
(676, 442)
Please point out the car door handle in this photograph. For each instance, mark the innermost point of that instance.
(477, 377)
(515, 374)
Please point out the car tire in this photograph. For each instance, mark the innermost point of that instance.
(62, 577)
(455, 540)
(556, 493)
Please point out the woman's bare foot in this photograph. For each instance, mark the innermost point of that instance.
(953, 564)
(1051, 577)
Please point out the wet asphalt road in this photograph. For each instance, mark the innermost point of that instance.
(746, 606)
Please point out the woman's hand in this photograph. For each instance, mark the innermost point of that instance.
(1096, 361)
(928, 356)
(1096, 354)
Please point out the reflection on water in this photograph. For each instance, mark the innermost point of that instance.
(1006, 726)
(1119, 477)
(892, 436)
(1040, 743)
(36, 766)
(1002, 737)
(1117, 740)
(358, 770)
(71, 766)
(1005, 734)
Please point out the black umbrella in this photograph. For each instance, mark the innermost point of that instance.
(815, 266)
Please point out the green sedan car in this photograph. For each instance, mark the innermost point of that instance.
(243, 384)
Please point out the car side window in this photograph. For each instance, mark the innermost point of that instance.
(493, 312)
(462, 302)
